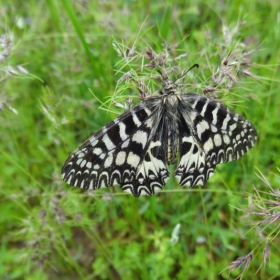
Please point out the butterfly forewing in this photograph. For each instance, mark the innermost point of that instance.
(224, 135)
(133, 150)
(122, 153)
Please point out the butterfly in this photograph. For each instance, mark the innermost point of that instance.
(135, 149)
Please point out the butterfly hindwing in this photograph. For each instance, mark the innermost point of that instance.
(192, 168)
(211, 134)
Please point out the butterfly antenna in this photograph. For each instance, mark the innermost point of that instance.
(187, 71)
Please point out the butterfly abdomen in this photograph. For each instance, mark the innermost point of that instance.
(172, 142)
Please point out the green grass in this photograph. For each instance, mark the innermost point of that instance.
(50, 230)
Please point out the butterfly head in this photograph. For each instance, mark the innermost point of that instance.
(168, 86)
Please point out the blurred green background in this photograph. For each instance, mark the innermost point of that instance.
(54, 55)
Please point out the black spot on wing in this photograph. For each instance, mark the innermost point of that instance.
(114, 135)
(130, 125)
(199, 105)
(221, 115)
(136, 147)
(205, 135)
(141, 115)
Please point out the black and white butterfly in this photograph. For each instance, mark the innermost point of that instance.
(134, 150)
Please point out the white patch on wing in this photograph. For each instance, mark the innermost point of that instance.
(93, 141)
(122, 128)
(193, 115)
(80, 154)
(217, 139)
(108, 143)
(96, 166)
(215, 114)
(83, 163)
(214, 129)
(97, 151)
(236, 117)
(225, 122)
(202, 113)
(125, 144)
(135, 119)
(140, 137)
(208, 145)
(226, 139)
(148, 112)
(69, 180)
(201, 127)
(149, 123)
(133, 159)
(91, 185)
(115, 182)
(233, 126)
(109, 160)
(120, 159)
(195, 102)
(104, 179)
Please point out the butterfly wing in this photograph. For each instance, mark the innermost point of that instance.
(126, 152)
(152, 172)
(210, 133)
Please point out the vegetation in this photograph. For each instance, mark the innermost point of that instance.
(63, 67)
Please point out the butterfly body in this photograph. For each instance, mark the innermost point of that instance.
(133, 150)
